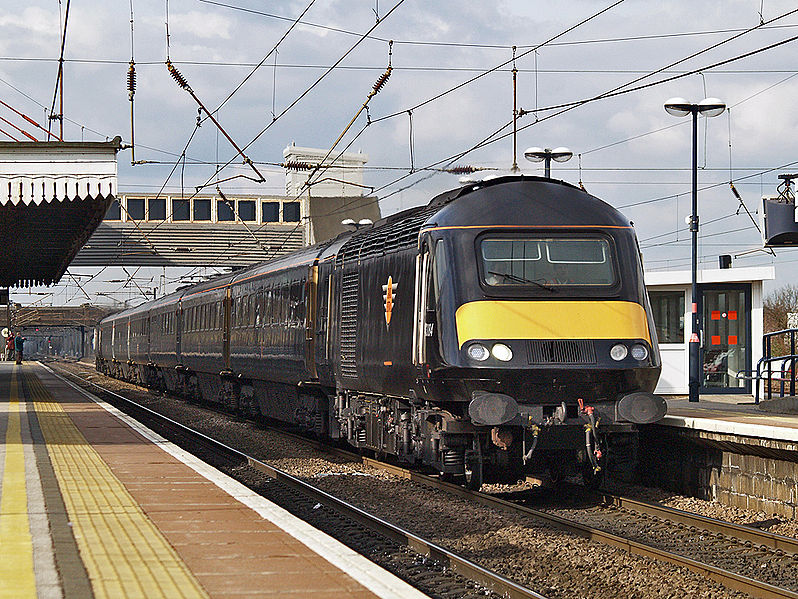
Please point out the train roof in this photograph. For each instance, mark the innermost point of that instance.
(302, 257)
(551, 203)
(490, 202)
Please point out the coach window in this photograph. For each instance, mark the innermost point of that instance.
(135, 209)
(180, 210)
(114, 211)
(291, 212)
(668, 310)
(246, 210)
(270, 305)
(156, 209)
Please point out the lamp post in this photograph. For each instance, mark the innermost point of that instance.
(547, 155)
(709, 107)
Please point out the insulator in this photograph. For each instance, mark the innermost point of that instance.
(382, 80)
(181, 81)
(296, 165)
(131, 80)
(462, 170)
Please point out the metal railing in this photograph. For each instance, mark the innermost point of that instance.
(785, 373)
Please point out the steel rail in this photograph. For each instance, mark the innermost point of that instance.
(460, 565)
(727, 578)
(738, 531)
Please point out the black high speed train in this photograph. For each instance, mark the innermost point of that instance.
(502, 329)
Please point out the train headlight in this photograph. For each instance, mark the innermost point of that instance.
(618, 352)
(502, 352)
(639, 352)
(478, 352)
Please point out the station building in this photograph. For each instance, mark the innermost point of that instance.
(730, 301)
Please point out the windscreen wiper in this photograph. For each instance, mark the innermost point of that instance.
(522, 280)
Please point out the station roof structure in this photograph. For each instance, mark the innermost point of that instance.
(52, 197)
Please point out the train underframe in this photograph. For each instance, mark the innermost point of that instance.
(554, 441)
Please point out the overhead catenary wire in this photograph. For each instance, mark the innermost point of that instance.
(7, 134)
(618, 90)
(181, 81)
(659, 36)
(409, 68)
(268, 54)
(504, 63)
(25, 133)
(182, 156)
(376, 88)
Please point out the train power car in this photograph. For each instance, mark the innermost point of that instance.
(502, 329)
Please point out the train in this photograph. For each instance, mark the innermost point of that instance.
(501, 330)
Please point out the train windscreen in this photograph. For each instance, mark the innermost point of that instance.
(547, 261)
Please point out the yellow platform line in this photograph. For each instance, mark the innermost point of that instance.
(17, 579)
(124, 553)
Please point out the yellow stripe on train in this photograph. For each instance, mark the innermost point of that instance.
(516, 319)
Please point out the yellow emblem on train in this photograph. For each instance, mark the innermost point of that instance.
(389, 297)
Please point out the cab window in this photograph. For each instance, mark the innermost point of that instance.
(546, 261)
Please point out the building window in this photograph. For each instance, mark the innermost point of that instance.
(156, 209)
(202, 210)
(180, 210)
(291, 212)
(114, 211)
(270, 212)
(668, 309)
(135, 208)
(246, 210)
(224, 210)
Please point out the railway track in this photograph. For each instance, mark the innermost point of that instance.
(743, 558)
(444, 563)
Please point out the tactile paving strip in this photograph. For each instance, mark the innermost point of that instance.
(16, 565)
(124, 553)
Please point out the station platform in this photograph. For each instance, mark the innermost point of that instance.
(728, 449)
(735, 414)
(93, 504)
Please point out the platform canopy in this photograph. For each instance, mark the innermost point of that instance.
(52, 197)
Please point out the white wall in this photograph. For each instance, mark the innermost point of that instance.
(674, 379)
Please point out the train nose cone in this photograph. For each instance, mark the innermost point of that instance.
(641, 408)
(492, 409)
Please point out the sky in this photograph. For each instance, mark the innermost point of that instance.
(592, 76)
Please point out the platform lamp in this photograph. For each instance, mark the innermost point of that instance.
(547, 155)
(708, 107)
